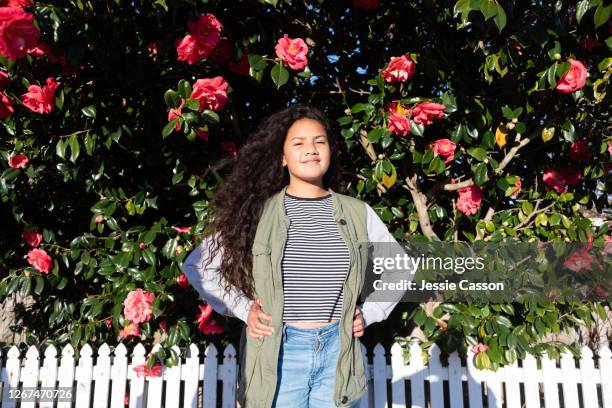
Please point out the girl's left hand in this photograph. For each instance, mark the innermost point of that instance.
(358, 323)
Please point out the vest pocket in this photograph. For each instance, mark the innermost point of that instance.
(262, 264)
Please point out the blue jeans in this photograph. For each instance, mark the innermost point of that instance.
(307, 367)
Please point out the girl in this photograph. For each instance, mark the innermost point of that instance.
(291, 252)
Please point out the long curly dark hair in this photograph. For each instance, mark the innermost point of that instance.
(257, 174)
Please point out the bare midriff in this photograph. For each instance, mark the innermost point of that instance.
(308, 325)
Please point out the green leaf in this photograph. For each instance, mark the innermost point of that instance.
(279, 75)
(60, 148)
(602, 14)
(89, 111)
(169, 128)
(40, 285)
(480, 174)
(374, 135)
(75, 148)
(416, 129)
(581, 8)
(478, 153)
(172, 99)
(527, 207)
(500, 18)
(184, 88)
(488, 9)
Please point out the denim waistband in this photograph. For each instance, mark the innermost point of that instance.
(313, 332)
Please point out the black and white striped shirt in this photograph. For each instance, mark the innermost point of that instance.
(315, 261)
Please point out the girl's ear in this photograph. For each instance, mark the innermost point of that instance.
(284, 162)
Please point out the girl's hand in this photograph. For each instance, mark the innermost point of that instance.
(358, 323)
(255, 328)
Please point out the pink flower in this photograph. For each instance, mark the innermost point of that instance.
(574, 79)
(292, 51)
(395, 106)
(162, 325)
(131, 329)
(18, 161)
(182, 281)
(142, 245)
(202, 134)
(610, 149)
(479, 348)
(425, 113)
(242, 66)
(99, 219)
(176, 113)
(601, 292)
(560, 179)
(399, 123)
(210, 328)
(142, 370)
(17, 32)
(33, 238)
(469, 199)
(204, 37)
(152, 48)
(445, 148)
(15, 3)
(6, 106)
(399, 69)
(229, 147)
(366, 4)
(606, 250)
(205, 325)
(137, 306)
(41, 99)
(578, 261)
(222, 52)
(40, 260)
(517, 188)
(579, 150)
(43, 50)
(211, 93)
(181, 230)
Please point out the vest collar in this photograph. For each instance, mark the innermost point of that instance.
(280, 204)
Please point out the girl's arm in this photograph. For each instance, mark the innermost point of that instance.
(374, 310)
(209, 283)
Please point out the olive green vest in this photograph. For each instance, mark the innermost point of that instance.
(259, 358)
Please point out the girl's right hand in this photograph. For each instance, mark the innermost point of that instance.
(255, 328)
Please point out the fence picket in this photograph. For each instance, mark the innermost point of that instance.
(503, 386)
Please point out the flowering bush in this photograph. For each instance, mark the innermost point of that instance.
(485, 123)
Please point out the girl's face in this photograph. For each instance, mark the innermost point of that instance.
(306, 151)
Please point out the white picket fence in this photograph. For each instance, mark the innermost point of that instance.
(193, 383)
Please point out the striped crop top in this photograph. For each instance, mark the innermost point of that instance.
(315, 261)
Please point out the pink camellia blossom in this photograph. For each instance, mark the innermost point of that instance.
(292, 51)
(108, 322)
(229, 147)
(6, 106)
(131, 329)
(606, 249)
(40, 260)
(15, 3)
(517, 188)
(142, 370)
(142, 245)
(204, 37)
(445, 148)
(33, 238)
(17, 32)
(425, 113)
(182, 281)
(561, 179)
(579, 150)
(574, 79)
(211, 93)
(175, 113)
(18, 161)
(242, 66)
(222, 52)
(137, 306)
(202, 134)
(163, 325)
(601, 292)
(43, 50)
(469, 199)
(366, 4)
(399, 123)
(99, 219)
(205, 325)
(399, 69)
(479, 348)
(181, 230)
(396, 106)
(610, 149)
(40, 99)
(578, 261)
